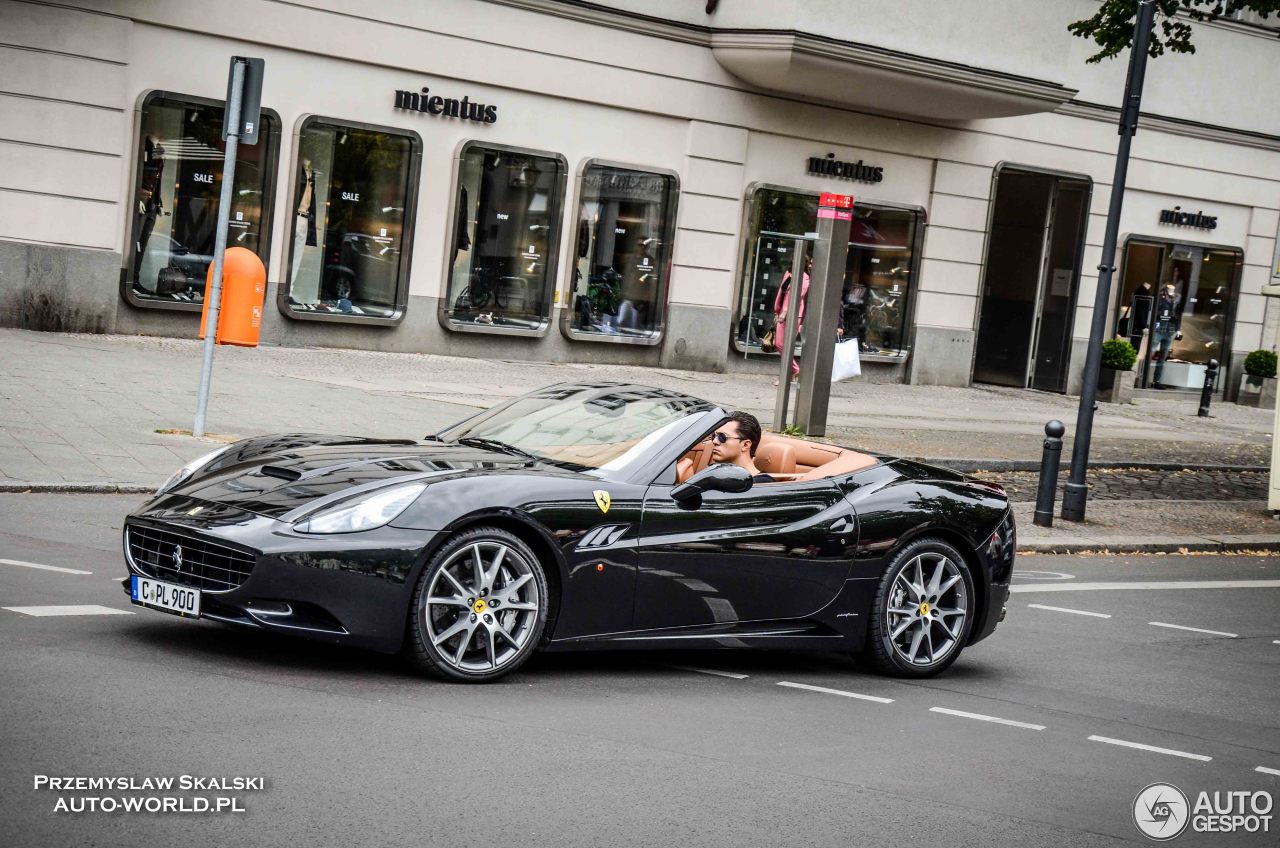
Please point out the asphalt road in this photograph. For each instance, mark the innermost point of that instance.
(636, 749)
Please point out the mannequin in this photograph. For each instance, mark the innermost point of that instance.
(1139, 314)
(1168, 315)
(150, 204)
(304, 227)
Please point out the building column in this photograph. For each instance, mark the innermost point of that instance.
(948, 295)
(700, 309)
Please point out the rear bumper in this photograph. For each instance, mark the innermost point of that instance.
(997, 560)
(992, 612)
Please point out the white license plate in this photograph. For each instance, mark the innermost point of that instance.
(169, 597)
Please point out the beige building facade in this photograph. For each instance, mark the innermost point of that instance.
(630, 181)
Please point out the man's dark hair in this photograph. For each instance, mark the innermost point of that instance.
(748, 428)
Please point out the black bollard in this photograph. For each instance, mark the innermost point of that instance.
(1206, 394)
(1053, 432)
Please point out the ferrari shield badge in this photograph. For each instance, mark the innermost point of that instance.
(602, 499)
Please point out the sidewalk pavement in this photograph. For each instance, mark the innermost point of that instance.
(92, 409)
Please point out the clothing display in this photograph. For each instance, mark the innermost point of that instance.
(351, 201)
(1168, 315)
(501, 243)
(1137, 316)
(622, 226)
(150, 202)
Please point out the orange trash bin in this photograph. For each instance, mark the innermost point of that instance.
(244, 287)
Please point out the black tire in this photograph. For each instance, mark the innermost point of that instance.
(477, 628)
(891, 637)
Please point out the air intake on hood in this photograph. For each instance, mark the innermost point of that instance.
(280, 473)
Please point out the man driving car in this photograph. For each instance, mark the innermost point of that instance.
(735, 441)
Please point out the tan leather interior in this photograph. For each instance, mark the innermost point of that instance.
(776, 457)
(785, 457)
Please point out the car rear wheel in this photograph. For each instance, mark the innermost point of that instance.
(479, 607)
(923, 611)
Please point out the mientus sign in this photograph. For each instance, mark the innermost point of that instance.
(830, 166)
(1179, 218)
(446, 107)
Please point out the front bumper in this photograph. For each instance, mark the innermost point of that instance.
(352, 589)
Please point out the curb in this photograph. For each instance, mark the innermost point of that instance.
(969, 466)
(76, 489)
(1226, 544)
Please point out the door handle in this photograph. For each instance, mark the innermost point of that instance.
(843, 524)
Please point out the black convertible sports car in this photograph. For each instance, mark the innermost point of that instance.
(578, 517)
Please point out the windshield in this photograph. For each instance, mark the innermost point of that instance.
(584, 427)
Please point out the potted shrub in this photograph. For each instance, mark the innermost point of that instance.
(1115, 381)
(1258, 383)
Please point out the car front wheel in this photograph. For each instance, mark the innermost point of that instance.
(923, 611)
(479, 607)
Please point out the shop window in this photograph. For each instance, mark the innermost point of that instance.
(622, 259)
(503, 242)
(351, 222)
(173, 219)
(1175, 306)
(879, 270)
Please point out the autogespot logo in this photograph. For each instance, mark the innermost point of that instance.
(1160, 811)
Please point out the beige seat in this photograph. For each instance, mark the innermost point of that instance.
(776, 458)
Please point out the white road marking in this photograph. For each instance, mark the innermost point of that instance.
(1072, 611)
(84, 609)
(1148, 585)
(1194, 629)
(841, 692)
(981, 717)
(1266, 770)
(1152, 748)
(730, 674)
(1044, 575)
(1276, 642)
(19, 562)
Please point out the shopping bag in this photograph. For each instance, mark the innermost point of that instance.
(847, 362)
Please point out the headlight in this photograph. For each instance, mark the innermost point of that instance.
(184, 473)
(370, 512)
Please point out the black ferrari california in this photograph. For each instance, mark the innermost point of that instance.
(581, 516)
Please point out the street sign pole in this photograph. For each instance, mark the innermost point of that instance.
(1076, 492)
(835, 218)
(237, 122)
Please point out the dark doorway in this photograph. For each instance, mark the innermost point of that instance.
(1032, 273)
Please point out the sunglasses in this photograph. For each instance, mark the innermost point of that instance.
(720, 438)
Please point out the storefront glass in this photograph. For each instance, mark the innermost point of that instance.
(507, 227)
(351, 221)
(622, 255)
(175, 210)
(1175, 307)
(880, 267)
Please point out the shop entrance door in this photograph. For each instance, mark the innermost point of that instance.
(1032, 274)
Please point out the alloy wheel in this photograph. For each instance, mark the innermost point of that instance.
(481, 608)
(927, 608)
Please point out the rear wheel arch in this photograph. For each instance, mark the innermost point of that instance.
(965, 548)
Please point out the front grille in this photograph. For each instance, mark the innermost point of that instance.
(199, 563)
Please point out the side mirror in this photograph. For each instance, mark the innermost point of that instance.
(721, 477)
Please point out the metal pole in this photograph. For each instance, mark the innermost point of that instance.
(1049, 459)
(788, 347)
(1206, 393)
(1076, 492)
(822, 317)
(214, 295)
